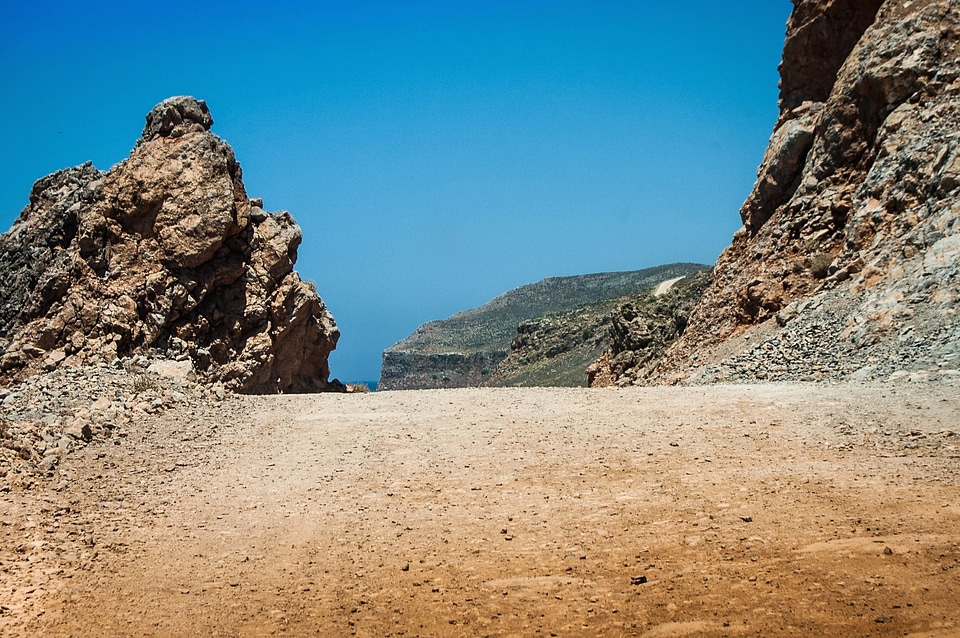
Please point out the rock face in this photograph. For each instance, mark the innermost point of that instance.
(165, 254)
(466, 349)
(642, 329)
(555, 350)
(850, 237)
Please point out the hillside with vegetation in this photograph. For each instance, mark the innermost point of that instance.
(465, 349)
(596, 343)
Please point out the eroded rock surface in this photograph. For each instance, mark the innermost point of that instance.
(642, 329)
(165, 253)
(850, 237)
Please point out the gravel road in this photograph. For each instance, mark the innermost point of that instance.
(710, 511)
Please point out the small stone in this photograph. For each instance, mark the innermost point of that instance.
(49, 462)
(887, 551)
(638, 580)
(178, 370)
(79, 430)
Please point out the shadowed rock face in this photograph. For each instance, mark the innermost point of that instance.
(642, 330)
(162, 254)
(856, 197)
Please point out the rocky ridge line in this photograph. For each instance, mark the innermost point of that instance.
(472, 347)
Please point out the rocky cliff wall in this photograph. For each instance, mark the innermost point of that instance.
(846, 264)
(642, 330)
(164, 253)
(405, 370)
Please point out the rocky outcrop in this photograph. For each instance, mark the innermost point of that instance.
(555, 350)
(164, 253)
(465, 349)
(851, 231)
(642, 329)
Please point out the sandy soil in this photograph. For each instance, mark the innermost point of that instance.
(717, 511)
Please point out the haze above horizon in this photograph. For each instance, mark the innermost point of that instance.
(435, 154)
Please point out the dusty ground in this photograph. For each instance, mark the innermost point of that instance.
(738, 510)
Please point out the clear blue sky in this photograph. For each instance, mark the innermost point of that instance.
(435, 153)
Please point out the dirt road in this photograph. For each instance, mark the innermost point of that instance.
(716, 511)
(665, 286)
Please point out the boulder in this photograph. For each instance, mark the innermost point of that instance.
(161, 255)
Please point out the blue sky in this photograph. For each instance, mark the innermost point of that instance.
(435, 154)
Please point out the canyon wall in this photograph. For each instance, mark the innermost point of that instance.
(847, 262)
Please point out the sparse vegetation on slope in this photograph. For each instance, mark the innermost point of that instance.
(465, 349)
(555, 350)
(642, 330)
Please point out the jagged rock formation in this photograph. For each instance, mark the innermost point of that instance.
(464, 350)
(555, 350)
(165, 254)
(850, 237)
(642, 329)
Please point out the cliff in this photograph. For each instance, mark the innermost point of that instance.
(465, 349)
(642, 329)
(847, 262)
(163, 255)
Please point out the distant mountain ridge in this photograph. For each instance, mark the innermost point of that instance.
(464, 350)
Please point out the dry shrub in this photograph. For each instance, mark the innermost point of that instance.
(820, 265)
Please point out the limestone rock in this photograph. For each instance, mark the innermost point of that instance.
(162, 254)
(855, 206)
(175, 117)
(642, 330)
(181, 370)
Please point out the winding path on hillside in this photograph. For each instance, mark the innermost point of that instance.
(665, 286)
